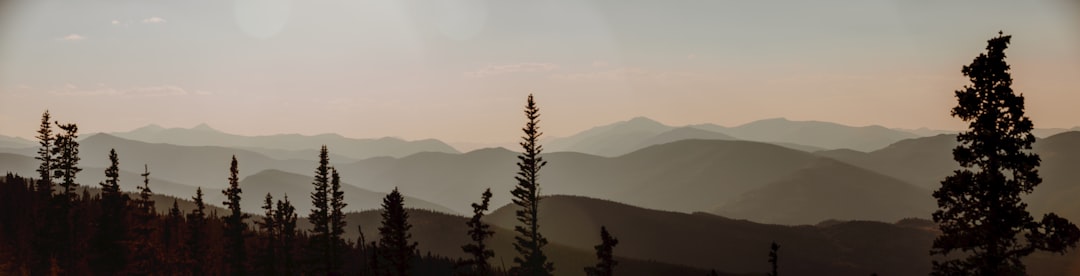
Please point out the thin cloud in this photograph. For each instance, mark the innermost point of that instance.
(72, 37)
(115, 22)
(142, 91)
(493, 70)
(627, 74)
(154, 20)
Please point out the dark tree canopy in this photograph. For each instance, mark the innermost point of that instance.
(981, 214)
(479, 232)
(606, 262)
(320, 248)
(529, 243)
(395, 250)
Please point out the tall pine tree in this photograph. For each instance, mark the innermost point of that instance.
(479, 232)
(268, 227)
(981, 213)
(235, 255)
(606, 262)
(196, 243)
(319, 249)
(45, 155)
(337, 222)
(526, 195)
(66, 153)
(395, 249)
(110, 254)
(144, 259)
(285, 216)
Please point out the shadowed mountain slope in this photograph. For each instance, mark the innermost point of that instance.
(829, 189)
(814, 133)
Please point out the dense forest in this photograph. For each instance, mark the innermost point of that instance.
(55, 224)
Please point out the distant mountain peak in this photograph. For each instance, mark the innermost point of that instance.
(643, 120)
(204, 127)
(149, 128)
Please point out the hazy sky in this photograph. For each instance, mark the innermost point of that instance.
(459, 70)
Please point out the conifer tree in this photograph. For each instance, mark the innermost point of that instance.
(606, 262)
(268, 227)
(479, 232)
(45, 155)
(196, 239)
(529, 242)
(144, 256)
(774, 255)
(285, 215)
(337, 222)
(170, 238)
(235, 254)
(65, 150)
(981, 213)
(110, 256)
(320, 216)
(46, 230)
(395, 249)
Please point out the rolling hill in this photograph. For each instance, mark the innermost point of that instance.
(204, 135)
(814, 133)
(829, 189)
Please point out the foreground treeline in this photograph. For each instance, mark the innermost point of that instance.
(53, 225)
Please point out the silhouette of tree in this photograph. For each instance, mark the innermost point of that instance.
(606, 261)
(981, 213)
(66, 153)
(110, 256)
(479, 232)
(235, 255)
(196, 239)
(320, 217)
(395, 248)
(285, 215)
(337, 222)
(144, 255)
(171, 238)
(774, 256)
(45, 155)
(268, 227)
(46, 243)
(529, 243)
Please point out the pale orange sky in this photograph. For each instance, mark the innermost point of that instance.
(459, 70)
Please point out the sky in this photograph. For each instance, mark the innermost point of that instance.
(460, 70)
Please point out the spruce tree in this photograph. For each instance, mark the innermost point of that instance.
(47, 230)
(606, 262)
(395, 249)
(170, 238)
(981, 214)
(774, 255)
(529, 242)
(144, 256)
(479, 232)
(268, 227)
(235, 255)
(108, 242)
(45, 155)
(337, 222)
(320, 216)
(65, 150)
(196, 239)
(285, 215)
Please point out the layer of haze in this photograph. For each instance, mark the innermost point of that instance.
(459, 70)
